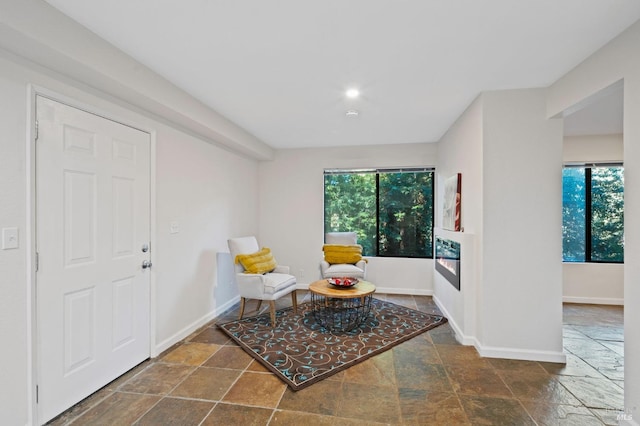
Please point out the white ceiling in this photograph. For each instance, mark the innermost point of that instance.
(279, 68)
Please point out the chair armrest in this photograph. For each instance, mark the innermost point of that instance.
(250, 285)
(324, 265)
(249, 279)
(281, 269)
(362, 264)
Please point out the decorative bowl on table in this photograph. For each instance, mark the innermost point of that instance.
(343, 282)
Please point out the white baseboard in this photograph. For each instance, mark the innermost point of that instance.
(460, 336)
(593, 300)
(493, 352)
(452, 322)
(522, 354)
(186, 331)
(405, 291)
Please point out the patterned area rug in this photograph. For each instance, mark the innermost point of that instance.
(301, 352)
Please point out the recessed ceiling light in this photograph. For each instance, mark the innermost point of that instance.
(352, 113)
(352, 93)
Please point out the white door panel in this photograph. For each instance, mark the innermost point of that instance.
(92, 186)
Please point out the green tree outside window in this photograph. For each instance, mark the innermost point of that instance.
(593, 213)
(391, 211)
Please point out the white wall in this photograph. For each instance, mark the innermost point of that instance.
(595, 283)
(291, 210)
(592, 148)
(459, 305)
(522, 250)
(210, 192)
(510, 157)
(460, 151)
(14, 326)
(615, 61)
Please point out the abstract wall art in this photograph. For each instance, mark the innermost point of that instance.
(452, 203)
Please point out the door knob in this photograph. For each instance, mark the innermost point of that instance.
(146, 264)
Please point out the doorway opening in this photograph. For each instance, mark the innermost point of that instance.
(593, 285)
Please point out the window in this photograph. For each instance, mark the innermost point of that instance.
(391, 210)
(593, 213)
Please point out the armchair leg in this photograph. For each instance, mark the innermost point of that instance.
(242, 300)
(272, 303)
(259, 304)
(294, 301)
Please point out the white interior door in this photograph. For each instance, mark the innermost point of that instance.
(92, 218)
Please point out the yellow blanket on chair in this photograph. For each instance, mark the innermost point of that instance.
(338, 253)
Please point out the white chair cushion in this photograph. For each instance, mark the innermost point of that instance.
(343, 270)
(275, 282)
(344, 238)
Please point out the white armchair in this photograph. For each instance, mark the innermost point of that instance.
(269, 286)
(357, 270)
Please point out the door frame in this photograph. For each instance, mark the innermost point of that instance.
(109, 111)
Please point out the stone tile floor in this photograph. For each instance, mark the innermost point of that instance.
(208, 380)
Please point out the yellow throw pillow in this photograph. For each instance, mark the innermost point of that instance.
(338, 253)
(259, 262)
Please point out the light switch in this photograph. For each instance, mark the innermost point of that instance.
(9, 238)
(174, 228)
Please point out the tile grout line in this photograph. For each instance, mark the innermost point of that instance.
(162, 397)
(216, 403)
(92, 406)
(274, 411)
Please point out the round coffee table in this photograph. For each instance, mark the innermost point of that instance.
(340, 308)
